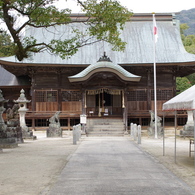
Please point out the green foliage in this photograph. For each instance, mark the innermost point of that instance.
(182, 84)
(107, 17)
(189, 44)
(6, 45)
(183, 27)
(104, 21)
(188, 40)
(191, 78)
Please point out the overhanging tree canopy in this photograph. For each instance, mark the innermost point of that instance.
(104, 22)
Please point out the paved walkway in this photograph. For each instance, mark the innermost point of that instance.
(116, 166)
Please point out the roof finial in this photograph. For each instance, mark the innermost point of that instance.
(104, 58)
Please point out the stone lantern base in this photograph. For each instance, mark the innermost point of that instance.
(8, 137)
(27, 133)
(8, 143)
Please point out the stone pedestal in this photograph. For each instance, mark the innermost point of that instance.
(10, 136)
(54, 131)
(7, 138)
(6, 141)
(188, 129)
(13, 129)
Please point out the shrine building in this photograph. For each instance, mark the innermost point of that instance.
(98, 82)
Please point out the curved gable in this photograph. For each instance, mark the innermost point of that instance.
(104, 65)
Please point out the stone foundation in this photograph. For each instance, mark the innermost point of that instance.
(8, 143)
(54, 131)
(188, 131)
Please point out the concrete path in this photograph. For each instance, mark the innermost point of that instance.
(116, 166)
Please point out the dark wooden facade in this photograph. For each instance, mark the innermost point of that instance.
(51, 91)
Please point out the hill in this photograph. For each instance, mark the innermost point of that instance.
(188, 16)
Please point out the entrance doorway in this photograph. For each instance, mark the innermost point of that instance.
(104, 103)
(103, 99)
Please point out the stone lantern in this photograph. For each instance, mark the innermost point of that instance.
(22, 101)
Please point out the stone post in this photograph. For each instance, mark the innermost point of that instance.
(132, 129)
(135, 132)
(139, 134)
(74, 132)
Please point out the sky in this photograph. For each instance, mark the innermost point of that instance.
(146, 6)
(138, 6)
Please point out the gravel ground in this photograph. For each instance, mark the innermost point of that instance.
(34, 166)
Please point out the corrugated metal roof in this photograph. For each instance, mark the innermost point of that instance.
(139, 48)
(8, 79)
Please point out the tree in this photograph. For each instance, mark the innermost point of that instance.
(191, 78)
(182, 84)
(189, 44)
(104, 21)
(183, 27)
(189, 40)
(6, 45)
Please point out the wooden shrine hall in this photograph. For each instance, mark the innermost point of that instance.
(97, 81)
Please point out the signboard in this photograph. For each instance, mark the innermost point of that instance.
(83, 119)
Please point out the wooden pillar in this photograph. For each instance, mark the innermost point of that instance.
(84, 103)
(174, 85)
(59, 100)
(126, 108)
(124, 103)
(68, 123)
(33, 100)
(59, 90)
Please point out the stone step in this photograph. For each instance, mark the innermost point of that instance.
(106, 130)
(105, 127)
(104, 121)
(106, 134)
